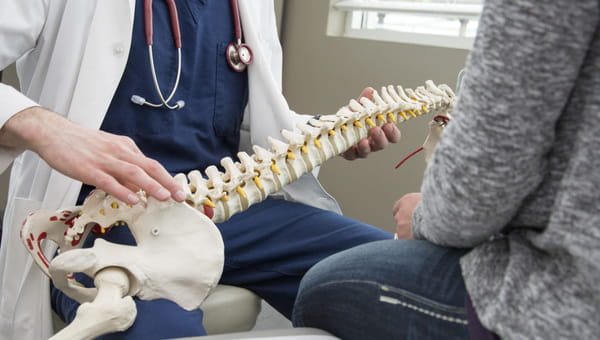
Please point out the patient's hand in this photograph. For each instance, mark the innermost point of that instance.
(403, 211)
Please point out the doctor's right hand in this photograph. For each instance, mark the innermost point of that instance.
(109, 162)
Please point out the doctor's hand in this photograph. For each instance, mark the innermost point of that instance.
(403, 211)
(378, 138)
(109, 162)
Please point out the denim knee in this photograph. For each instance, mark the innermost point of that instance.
(388, 289)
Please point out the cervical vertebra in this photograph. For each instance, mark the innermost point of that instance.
(179, 251)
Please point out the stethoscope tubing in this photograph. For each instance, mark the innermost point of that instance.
(149, 22)
(236, 21)
(238, 54)
(166, 101)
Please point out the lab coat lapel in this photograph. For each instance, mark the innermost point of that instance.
(103, 62)
(269, 111)
(102, 65)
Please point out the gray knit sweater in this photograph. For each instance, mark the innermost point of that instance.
(516, 175)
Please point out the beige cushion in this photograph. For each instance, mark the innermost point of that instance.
(230, 309)
(303, 333)
(227, 309)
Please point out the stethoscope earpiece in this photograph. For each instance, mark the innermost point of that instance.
(141, 101)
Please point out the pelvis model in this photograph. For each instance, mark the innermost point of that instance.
(179, 251)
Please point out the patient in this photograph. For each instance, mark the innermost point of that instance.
(504, 240)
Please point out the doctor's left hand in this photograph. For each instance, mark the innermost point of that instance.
(378, 138)
(109, 162)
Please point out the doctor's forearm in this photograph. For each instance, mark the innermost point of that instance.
(27, 128)
(110, 162)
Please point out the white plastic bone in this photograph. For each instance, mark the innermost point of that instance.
(111, 311)
(382, 105)
(179, 251)
(293, 138)
(355, 106)
(278, 146)
(153, 265)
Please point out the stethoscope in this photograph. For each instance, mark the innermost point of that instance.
(237, 54)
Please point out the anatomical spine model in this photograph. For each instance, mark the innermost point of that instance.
(179, 251)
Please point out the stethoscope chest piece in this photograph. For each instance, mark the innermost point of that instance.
(239, 56)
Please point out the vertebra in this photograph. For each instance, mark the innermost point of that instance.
(254, 177)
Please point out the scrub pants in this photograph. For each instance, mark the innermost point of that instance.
(268, 248)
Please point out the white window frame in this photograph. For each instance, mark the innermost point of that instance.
(340, 21)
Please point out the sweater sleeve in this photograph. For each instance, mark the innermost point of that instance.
(523, 66)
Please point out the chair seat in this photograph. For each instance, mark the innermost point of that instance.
(227, 309)
(302, 333)
(230, 309)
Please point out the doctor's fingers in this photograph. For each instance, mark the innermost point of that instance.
(116, 165)
(367, 93)
(360, 150)
(133, 170)
(141, 172)
(380, 137)
(392, 133)
(123, 179)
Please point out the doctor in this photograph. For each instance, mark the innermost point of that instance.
(79, 64)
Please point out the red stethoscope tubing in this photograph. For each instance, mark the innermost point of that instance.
(236, 21)
(238, 54)
(149, 26)
(175, 28)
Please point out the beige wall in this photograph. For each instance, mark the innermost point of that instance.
(322, 73)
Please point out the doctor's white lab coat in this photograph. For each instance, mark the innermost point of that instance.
(70, 57)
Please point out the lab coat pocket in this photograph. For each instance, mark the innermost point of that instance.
(231, 96)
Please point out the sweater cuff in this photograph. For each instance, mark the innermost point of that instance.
(417, 225)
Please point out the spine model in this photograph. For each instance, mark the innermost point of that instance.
(195, 248)
(250, 180)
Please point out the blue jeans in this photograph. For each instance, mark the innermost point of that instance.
(393, 289)
(268, 248)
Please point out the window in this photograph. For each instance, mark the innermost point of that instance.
(447, 23)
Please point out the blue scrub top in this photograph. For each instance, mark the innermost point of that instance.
(207, 128)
